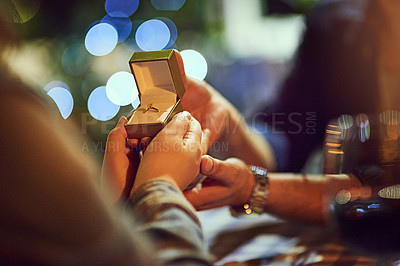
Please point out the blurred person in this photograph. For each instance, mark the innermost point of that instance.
(339, 69)
(53, 211)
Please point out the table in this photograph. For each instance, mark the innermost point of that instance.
(267, 240)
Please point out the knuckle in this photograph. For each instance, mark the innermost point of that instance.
(199, 151)
(217, 169)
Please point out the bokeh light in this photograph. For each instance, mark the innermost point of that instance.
(101, 39)
(168, 4)
(121, 8)
(100, 107)
(345, 121)
(135, 104)
(172, 30)
(195, 64)
(392, 192)
(152, 35)
(364, 129)
(390, 117)
(123, 25)
(362, 120)
(121, 88)
(63, 98)
(75, 60)
(54, 84)
(343, 196)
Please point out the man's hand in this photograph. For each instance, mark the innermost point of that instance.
(228, 182)
(209, 107)
(224, 123)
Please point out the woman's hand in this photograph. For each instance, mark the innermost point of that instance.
(228, 182)
(120, 163)
(174, 154)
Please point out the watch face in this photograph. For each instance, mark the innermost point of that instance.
(261, 176)
(261, 189)
(259, 171)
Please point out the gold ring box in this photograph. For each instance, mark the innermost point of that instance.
(160, 85)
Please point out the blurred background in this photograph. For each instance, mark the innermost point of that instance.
(77, 52)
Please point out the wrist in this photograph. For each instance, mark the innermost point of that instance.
(259, 194)
(141, 181)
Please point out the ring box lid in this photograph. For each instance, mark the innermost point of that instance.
(158, 71)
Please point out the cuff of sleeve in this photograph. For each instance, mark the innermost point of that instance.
(156, 196)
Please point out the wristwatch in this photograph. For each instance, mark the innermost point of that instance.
(259, 195)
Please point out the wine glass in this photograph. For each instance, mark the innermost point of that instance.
(367, 146)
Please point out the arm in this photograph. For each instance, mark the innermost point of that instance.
(292, 196)
(170, 223)
(305, 197)
(226, 124)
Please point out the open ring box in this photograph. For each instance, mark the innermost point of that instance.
(161, 89)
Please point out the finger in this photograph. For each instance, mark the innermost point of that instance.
(117, 137)
(219, 170)
(205, 141)
(181, 66)
(134, 159)
(177, 127)
(208, 197)
(122, 121)
(119, 129)
(144, 143)
(134, 143)
(193, 134)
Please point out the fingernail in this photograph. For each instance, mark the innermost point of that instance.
(122, 120)
(186, 115)
(207, 132)
(209, 165)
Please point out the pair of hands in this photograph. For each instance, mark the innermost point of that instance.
(177, 154)
(174, 154)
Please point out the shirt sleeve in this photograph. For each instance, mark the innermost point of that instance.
(163, 214)
(52, 212)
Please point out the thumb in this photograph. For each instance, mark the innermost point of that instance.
(122, 121)
(177, 127)
(205, 141)
(119, 130)
(117, 137)
(217, 169)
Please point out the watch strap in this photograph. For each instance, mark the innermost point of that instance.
(259, 195)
